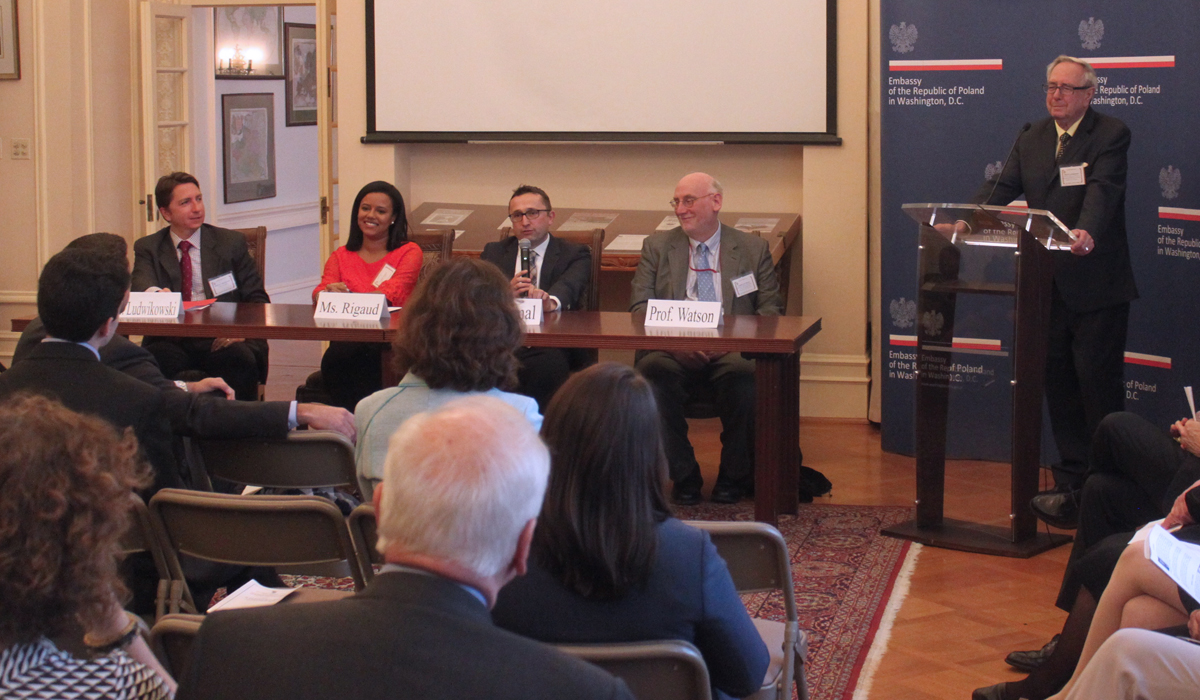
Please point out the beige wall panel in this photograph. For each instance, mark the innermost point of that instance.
(112, 37)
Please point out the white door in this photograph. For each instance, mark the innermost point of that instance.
(165, 84)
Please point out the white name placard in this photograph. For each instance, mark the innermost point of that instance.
(152, 305)
(359, 307)
(684, 314)
(530, 311)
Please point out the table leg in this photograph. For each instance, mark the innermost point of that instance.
(777, 436)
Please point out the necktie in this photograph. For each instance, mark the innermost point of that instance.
(1062, 146)
(185, 270)
(533, 275)
(705, 291)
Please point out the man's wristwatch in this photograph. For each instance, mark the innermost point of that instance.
(181, 384)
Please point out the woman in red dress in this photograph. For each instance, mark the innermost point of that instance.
(377, 259)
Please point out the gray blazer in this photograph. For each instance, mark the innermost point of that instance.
(663, 269)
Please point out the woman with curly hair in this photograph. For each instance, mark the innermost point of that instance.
(608, 562)
(457, 337)
(65, 485)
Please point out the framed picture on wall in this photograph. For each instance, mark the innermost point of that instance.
(10, 47)
(248, 42)
(248, 138)
(300, 51)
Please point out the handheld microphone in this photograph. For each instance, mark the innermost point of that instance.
(1008, 158)
(526, 248)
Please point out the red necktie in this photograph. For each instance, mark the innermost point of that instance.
(185, 270)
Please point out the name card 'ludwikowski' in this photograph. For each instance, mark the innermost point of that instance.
(360, 307)
(530, 311)
(143, 305)
(684, 314)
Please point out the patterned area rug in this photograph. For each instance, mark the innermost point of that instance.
(844, 572)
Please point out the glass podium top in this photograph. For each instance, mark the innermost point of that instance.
(991, 225)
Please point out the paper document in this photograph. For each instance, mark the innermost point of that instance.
(447, 217)
(586, 221)
(252, 595)
(1187, 391)
(669, 222)
(749, 225)
(1180, 560)
(1143, 534)
(626, 242)
(205, 303)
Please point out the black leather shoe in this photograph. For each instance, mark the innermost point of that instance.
(687, 495)
(726, 494)
(991, 692)
(1027, 661)
(1057, 508)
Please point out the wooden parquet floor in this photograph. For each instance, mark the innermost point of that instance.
(963, 613)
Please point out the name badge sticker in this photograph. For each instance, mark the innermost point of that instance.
(1072, 175)
(384, 275)
(530, 311)
(745, 284)
(222, 284)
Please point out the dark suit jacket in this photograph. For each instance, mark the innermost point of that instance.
(73, 376)
(156, 263)
(566, 269)
(689, 596)
(1103, 277)
(663, 268)
(193, 415)
(407, 635)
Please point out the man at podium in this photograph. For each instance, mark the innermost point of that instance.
(1074, 164)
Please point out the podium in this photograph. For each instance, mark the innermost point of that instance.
(988, 250)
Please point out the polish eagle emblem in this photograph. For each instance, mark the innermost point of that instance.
(903, 36)
(1091, 31)
(1170, 180)
(904, 312)
(932, 323)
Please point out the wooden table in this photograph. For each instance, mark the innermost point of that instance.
(774, 341)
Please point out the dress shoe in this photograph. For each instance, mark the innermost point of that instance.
(1027, 661)
(1057, 508)
(991, 692)
(687, 495)
(726, 494)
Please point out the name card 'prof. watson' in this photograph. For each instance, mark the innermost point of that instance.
(684, 314)
(160, 305)
(361, 307)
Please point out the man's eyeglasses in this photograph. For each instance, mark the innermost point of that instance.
(1066, 90)
(687, 201)
(531, 214)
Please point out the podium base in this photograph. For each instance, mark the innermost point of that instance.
(974, 537)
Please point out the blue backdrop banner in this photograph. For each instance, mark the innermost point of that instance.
(959, 79)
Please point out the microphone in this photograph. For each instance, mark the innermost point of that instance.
(526, 249)
(1008, 158)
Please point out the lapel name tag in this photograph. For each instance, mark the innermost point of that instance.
(222, 284)
(684, 314)
(745, 284)
(384, 275)
(530, 311)
(359, 307)
(152, 305)
(1072, 175)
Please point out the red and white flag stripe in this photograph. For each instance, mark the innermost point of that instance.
(1132, 62)
(959, 343)
(1177, 213)
(1138, 358)
(955, 64)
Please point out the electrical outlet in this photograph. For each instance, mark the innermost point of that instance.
(20, 149)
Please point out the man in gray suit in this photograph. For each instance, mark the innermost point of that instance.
(705, 260)
(462, 489)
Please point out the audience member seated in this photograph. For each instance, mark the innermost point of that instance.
(1136, 664)
(705, 260)
(1141, 595)
(200, 262)
(457, 336)
(378, 258)
(65, 480)
(456, 511)
(195, 409)
(609, 563)
(1137, 473)
(558, 275)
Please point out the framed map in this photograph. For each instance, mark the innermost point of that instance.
(248, 136)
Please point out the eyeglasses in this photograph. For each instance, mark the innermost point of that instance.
(531, 214)
(688, 201)
(1066, 90)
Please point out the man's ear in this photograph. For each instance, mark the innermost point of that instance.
(520, 562)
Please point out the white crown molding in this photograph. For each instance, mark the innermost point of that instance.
(274, 218)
